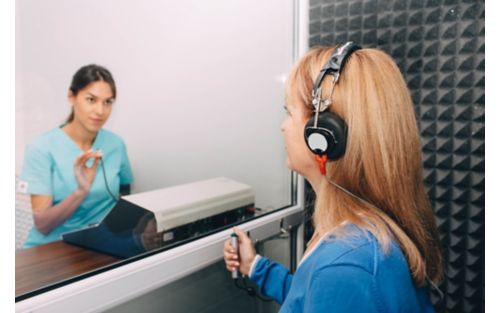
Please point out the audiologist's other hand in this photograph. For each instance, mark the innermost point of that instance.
(246, 253)
(85, 175)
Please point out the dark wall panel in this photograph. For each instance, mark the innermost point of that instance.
(439, 47)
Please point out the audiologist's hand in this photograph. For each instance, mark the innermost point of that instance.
(246, 253)
(85, 175)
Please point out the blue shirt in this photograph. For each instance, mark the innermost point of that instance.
(343, 274)
(48, 169)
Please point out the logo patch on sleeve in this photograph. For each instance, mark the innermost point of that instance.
(22, 186)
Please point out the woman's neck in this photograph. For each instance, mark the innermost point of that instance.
(83, 138)
(313, 175)
(312, 242)
(314, 178)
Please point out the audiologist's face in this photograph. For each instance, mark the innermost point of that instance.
(299, 157)
(92, 105)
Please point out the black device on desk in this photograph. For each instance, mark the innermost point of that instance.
(129, 230)
(118, 234)
(158, 218)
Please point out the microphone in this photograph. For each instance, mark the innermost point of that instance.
(234, 244)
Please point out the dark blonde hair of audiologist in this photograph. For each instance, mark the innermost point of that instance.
(382, 163)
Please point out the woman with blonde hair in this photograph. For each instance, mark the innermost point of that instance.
(375, 247)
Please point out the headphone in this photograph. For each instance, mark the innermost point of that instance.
(325, 132)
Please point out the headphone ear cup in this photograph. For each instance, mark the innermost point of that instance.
(329, 137)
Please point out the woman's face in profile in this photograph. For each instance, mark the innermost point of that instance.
(299, 158)
(92, 105)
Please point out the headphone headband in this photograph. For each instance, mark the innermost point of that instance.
(325, 132)
(336, 62)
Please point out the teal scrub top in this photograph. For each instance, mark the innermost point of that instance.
(48, 169)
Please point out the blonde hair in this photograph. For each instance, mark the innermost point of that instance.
(382, 163)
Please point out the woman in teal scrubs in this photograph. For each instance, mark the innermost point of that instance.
(75, 172)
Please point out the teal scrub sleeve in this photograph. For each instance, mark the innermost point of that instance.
(37, 171)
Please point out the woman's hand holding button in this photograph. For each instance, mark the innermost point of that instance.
(85, 175)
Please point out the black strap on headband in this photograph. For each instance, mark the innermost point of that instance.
(336, 62)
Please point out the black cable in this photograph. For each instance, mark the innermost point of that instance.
(251, 291)
(106, 181)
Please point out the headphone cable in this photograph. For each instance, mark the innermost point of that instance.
(251, 291)
(106, 181)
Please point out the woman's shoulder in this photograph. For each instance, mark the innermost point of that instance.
(349, 245)
(355, 246)
(46, 139)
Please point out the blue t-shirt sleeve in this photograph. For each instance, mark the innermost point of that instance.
(273, 279)
(37, 171)
(341, 288)
(126, 176)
